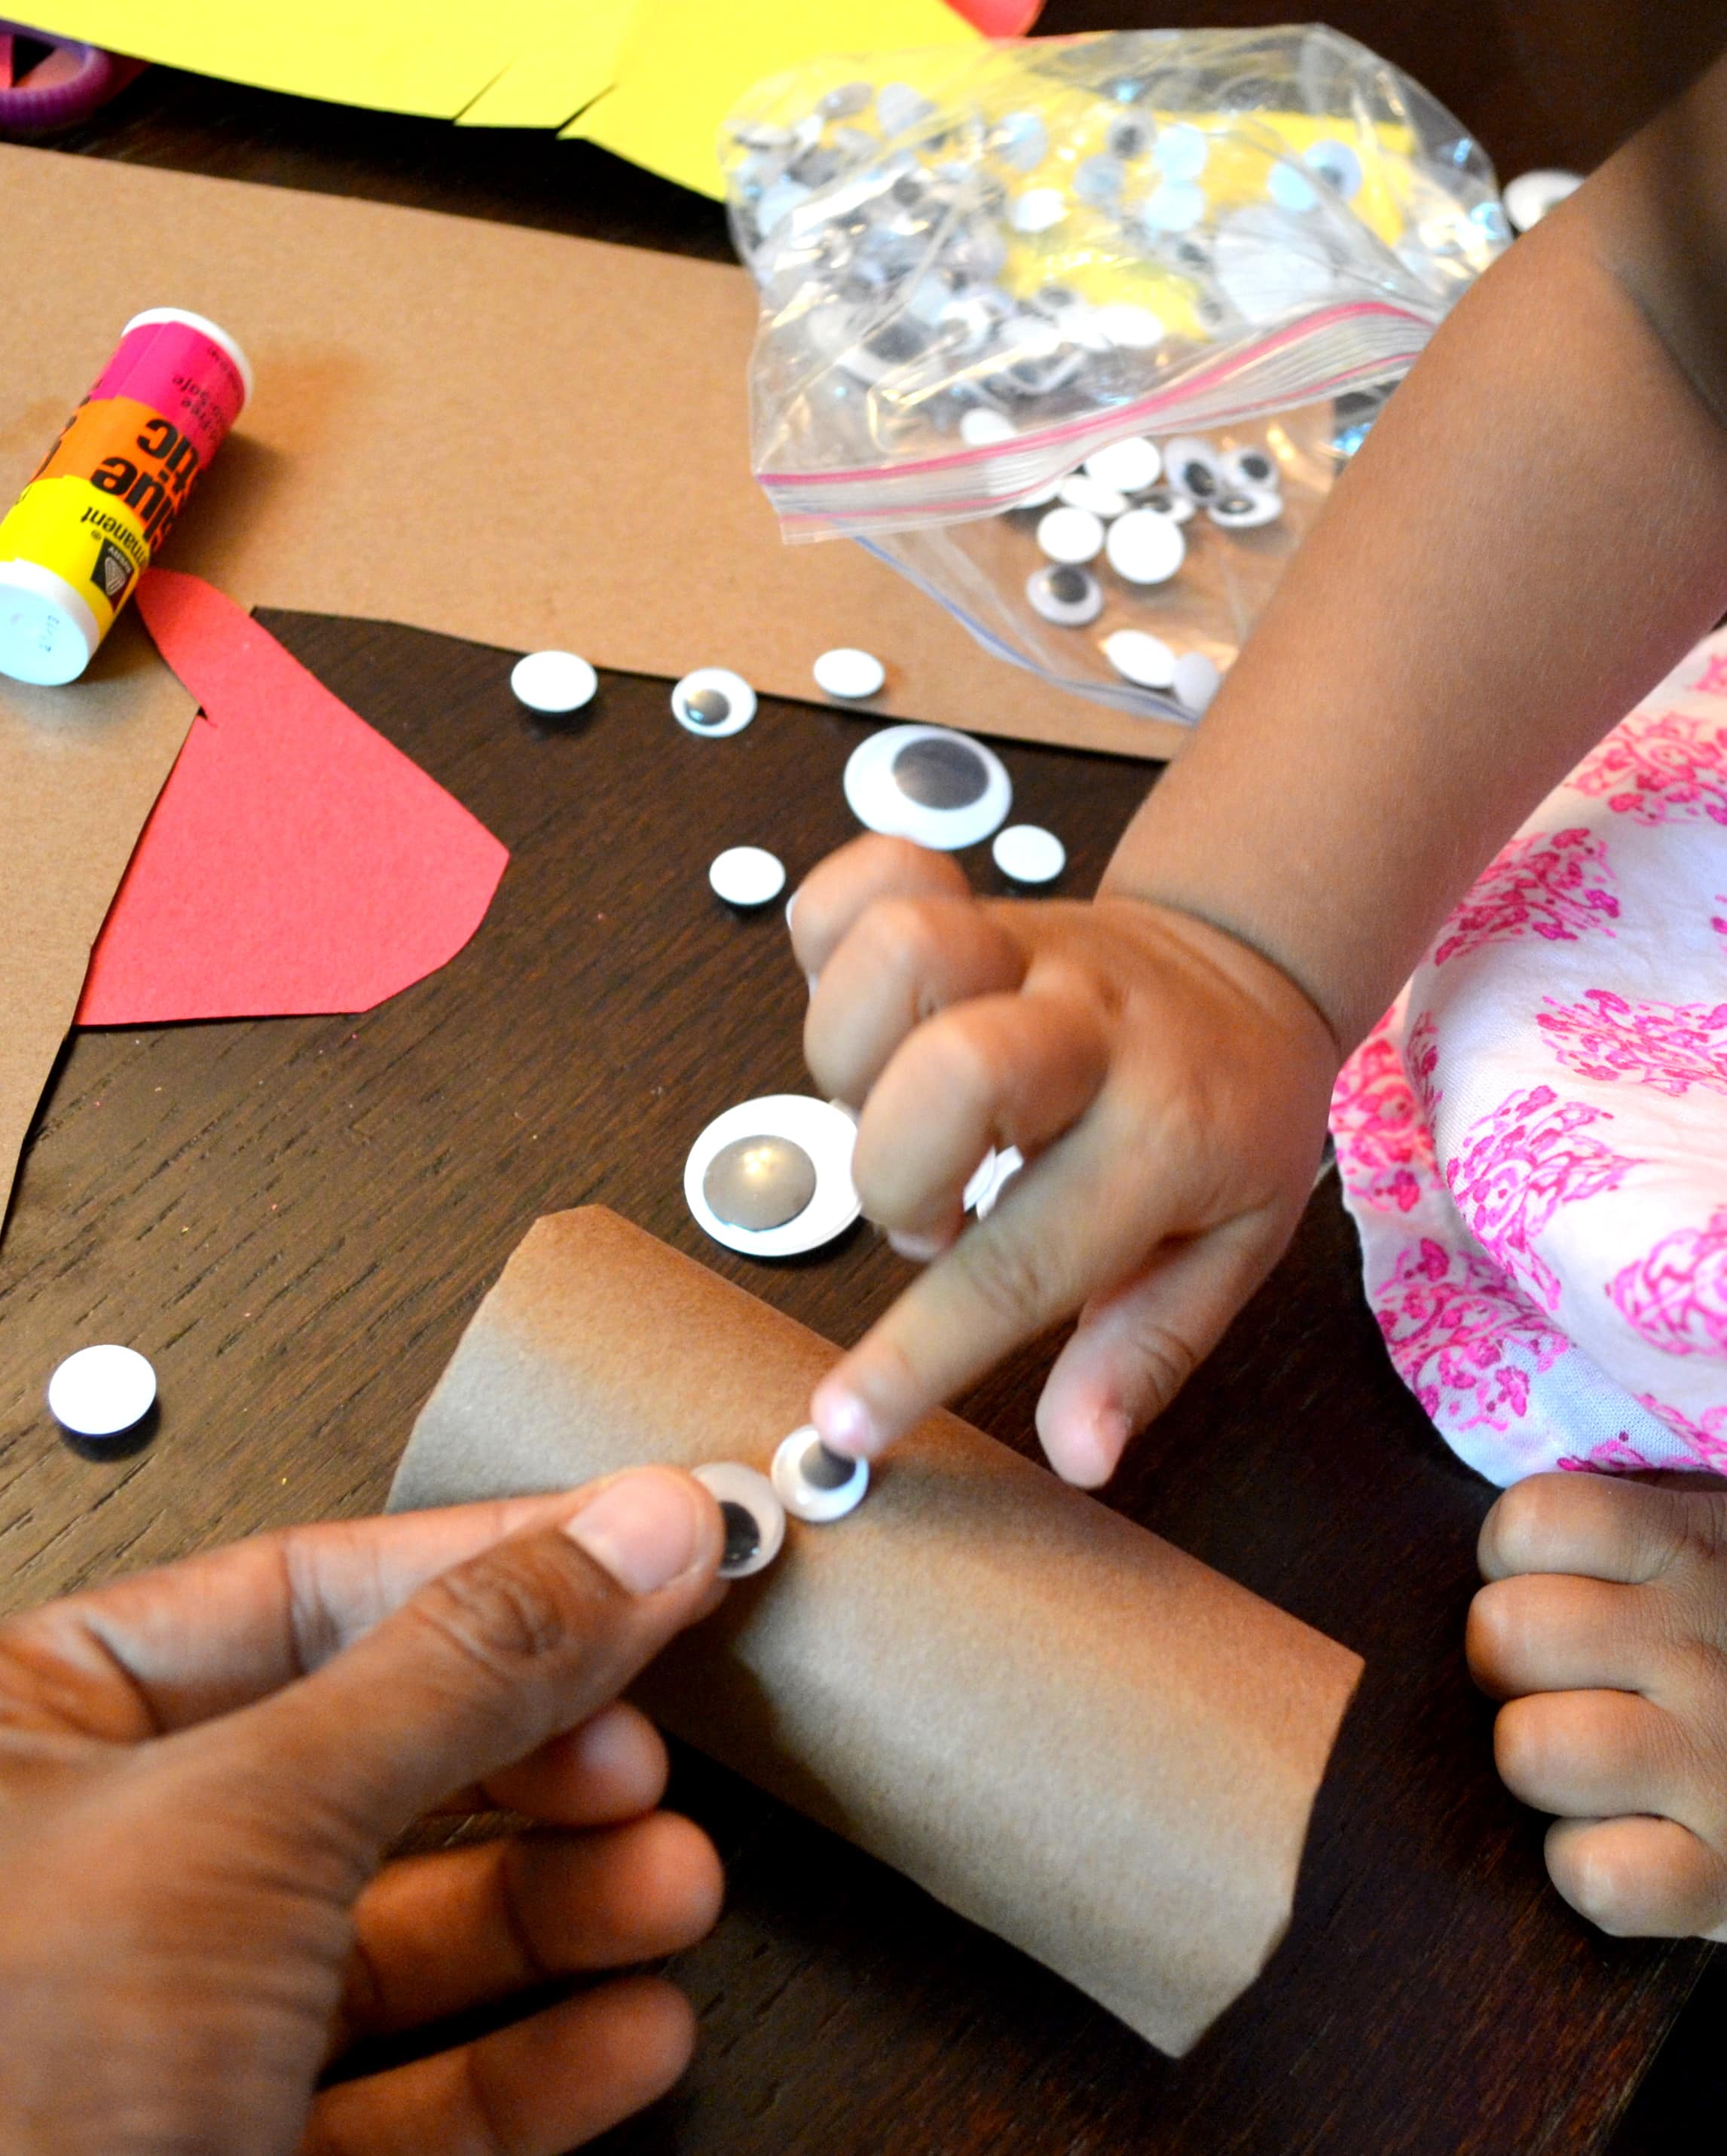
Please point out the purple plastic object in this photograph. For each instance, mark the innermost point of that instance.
(59, 90)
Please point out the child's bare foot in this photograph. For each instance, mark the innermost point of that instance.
(1605, 1630)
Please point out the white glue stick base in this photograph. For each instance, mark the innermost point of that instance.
(47, 635)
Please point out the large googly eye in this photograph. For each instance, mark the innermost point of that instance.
(772, 1178)
(1065, 594)
(814, 1484)
(1245, 510)
(1145, 548)
(1245, 469)
(1129, 467)
(755, 1518)
(1193, 467)
(714, 702)
(936, 788)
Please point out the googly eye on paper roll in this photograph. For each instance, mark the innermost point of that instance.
(814, 1484)
(1250, 467)
(1193, 467)
(772, 1178)
(713, 701)
(1066, 594)
(1245, 508)
(755, 1518)
(1145, 548)
(1129, 466)
(936, 788)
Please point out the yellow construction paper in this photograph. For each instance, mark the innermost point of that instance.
(433, 58)
(685, 63)
(565, 58)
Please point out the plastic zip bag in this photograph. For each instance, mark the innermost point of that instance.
(980, 269)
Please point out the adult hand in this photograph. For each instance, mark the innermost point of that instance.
(201, 1767)
(1168, 1086)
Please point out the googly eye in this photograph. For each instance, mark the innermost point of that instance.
(1071, 535)
(1037, 209)
(1026, 853)
(1145, 548)
(755, 1518)
(1180, 152)
(1337, 165)
(814, 1484)
(1245, 469)
(929, 784)
(1531, 196)
(1130, 466)
(746, 876)
(1080, 491)
(1164, 501)
(101, 1392)
(553, 682)
(713, 701)
(1099, 180)
(1197, 681)
(982, 427)
(1290, 188)
(1175, 206)
(1193, 467)
(1145, 660)
(1128, 327)
(1007, 1163)
(1128, 138)
(1245, 510)
(850, 673)
(772, 1178)
(1021, 141)
(1065, 594)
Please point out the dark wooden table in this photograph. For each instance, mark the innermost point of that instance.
(293, 1220)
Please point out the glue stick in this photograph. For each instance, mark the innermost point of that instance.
(74, 544)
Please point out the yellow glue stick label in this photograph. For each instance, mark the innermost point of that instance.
(86, 535)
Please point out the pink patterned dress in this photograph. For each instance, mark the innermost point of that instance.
(1533, 1141)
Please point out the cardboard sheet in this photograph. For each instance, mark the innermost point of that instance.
(505, 435)
(296, 860)
(1057, 1724)
(79, 768)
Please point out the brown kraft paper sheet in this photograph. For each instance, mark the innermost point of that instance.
(511, 436)
(1057, 1723)
(80, 769)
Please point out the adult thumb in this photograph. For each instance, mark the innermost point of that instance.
(483, 1664)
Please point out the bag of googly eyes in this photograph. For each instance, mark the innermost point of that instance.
(1077, 333)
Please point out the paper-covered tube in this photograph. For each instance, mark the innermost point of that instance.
(1059, 1725)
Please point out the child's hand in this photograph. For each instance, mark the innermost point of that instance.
(1167, 1085)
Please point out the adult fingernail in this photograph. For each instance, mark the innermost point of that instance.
(846, 1425)
(644, 1527)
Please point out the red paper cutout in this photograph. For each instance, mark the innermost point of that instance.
(999, 18)
(295, 861)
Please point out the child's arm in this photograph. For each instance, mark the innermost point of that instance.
(1534, 532)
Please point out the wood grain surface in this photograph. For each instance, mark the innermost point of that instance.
(293, 1220)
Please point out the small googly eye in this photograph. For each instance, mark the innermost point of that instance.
(1080, 491)
(1145, 548)
(1246, 511)
(755, 1518)
(1066, 594)
(1245, 469)
(1164, 501)
(1197, 681)
(929, 784)
(1130, 466)
(1071, 535)
(1145, 660)
(772, 1178)
(814, 1484)
(1337, 165)
(1193, 467)
(1128, 138)
(714, 702)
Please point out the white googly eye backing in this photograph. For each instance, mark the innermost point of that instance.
(101, 1392)
(1140, 658)
(1246, 509)
(1080, 491)
(1071, 535)
(1130, 466)
(755, 1518)
(1066, 594)
(821, 1134)
(848, 672)
(553, 682)
(1146, 548)
(937, 787)
(746, 876)
(1026, 853)
(1250, 467)
(713, 701)
(814, 1484)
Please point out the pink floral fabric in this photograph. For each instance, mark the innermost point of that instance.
(1533, 1141)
